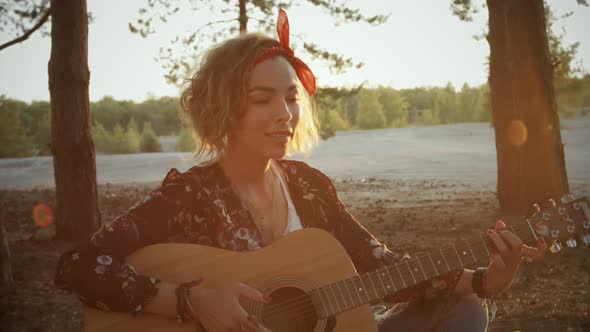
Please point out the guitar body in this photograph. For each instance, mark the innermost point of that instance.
(286, 270)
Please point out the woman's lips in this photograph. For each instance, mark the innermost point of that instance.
(279, 136)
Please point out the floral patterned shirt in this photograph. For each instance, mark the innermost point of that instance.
(200, 206)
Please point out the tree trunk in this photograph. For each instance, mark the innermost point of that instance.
(5, 264)
(531, 165)
(243, 18)
(77, 213)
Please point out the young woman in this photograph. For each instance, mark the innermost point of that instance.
(250, 104)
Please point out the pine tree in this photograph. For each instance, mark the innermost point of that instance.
(149, 140)
(133, 136)
(102, 138)
(120, 143)
(76, 213)
(370, 114)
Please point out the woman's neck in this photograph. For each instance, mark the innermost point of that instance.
(245, 170)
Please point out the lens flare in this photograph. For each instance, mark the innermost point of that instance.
(517, 133)
(42, 215)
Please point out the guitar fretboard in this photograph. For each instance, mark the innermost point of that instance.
(365, 288)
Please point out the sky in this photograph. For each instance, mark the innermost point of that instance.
(422, 44)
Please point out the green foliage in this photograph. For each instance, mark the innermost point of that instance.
(395, 107)
(133, 136)
(573, 94)
(149, 141)
(338, 109)
(186, 142)
(102, 138)
(14, 141)
(566, 68)
(42, 135)
(336, 121)
(350, 107)
(444, 104)
(563, 56)
(162, 113)
(426, 118)
(568, 72)
(370, 113)
(120, 141)
(483, 106)
(19, 18)
(330, 112)
(463, 9)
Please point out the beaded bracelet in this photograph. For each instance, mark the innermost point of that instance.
(183, 299)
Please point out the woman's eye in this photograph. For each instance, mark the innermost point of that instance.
(260, 101)
(293, 99)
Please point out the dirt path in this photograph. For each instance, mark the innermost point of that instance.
(414, 215)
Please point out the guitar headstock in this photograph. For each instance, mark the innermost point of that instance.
(568, 220)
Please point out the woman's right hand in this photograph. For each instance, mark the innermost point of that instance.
(219, 309)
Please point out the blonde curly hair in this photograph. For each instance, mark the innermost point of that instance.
(215, 98)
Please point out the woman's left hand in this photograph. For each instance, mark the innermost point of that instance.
(506, 259)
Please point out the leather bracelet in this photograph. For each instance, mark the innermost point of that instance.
(183, 300)
(477, 282)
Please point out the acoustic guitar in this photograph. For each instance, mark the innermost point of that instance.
(312, 281)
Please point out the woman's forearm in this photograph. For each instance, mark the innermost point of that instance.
(464, 284)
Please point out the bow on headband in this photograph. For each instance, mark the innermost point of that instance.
(303, 72)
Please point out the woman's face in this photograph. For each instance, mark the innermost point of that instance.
(272, 112)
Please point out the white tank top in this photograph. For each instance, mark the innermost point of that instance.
(293, 222)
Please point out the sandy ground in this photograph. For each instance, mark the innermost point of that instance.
(441, 200)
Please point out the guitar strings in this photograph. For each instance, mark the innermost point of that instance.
(299, 301)
(297, 304)
(304, 300)
(463, 244)
(405, 276)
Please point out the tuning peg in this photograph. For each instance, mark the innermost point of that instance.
(534, 210)
(555, 247)
(551, 203)
(586, 239)
(567, 198)
(571, 243)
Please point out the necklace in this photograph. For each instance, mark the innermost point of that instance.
(261, 220)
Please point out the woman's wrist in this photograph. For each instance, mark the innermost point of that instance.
(463, 286)
(478, 282)
(184, 304)
(164, 303)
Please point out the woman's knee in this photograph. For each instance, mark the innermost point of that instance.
(469, 314)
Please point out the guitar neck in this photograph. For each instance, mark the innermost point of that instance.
(365, 288)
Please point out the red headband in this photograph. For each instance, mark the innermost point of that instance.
(301, 69)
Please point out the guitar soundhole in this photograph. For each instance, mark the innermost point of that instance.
(291, 309)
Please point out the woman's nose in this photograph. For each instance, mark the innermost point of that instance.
(283, 113)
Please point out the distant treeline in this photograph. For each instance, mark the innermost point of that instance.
(384, 107)
(129, 127)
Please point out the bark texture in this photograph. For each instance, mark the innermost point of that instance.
(77, 213)
(5, 264)
(243, 18)
(531, 166)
